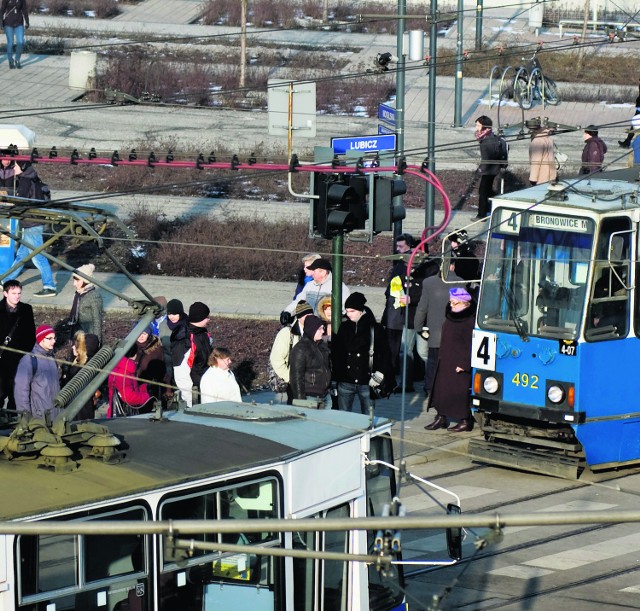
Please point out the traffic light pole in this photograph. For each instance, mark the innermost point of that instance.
(337, 246)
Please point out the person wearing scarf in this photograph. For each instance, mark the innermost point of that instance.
(451, 387)
(86, 310)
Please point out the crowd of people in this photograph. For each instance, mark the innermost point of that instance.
(365, 359)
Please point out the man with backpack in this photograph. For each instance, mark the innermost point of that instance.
(24, 182)
(37, 380)
(493, 153)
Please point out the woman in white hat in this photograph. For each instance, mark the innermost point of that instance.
(86, 312)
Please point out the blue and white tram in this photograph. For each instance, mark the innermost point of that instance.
(556, 346)
(215, 462)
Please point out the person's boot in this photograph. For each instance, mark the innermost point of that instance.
(626, 143)
(463, 426)
(440, 422)
(18, 64)
(11, 64)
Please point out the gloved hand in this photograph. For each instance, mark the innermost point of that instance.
(377, 378)
(424, 333)
(285, 318)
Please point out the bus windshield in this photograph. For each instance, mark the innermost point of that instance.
(535, 275)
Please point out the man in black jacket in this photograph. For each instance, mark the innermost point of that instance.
(17, 337)
(489, 167)
(310, 368)
(353, 369)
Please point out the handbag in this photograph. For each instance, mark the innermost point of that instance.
(274, 381)
(120, 409)
(561, 158)
(380, 391)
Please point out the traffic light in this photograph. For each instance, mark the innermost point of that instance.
(341, 204)
(385, 212)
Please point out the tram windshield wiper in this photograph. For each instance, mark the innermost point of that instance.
(517, 321)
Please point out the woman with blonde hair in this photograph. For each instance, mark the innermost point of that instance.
(218, 382)
(84, 347)
(323, 311)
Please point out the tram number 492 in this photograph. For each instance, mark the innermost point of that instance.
(525, 380)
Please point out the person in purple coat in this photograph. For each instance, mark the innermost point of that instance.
(451, 387)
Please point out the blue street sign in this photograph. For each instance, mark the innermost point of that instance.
(364, 144)
(383, 129)
(387, 113)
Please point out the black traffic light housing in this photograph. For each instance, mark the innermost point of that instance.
(341, 204)
(385, 212)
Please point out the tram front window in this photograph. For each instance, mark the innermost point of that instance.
(535, 278)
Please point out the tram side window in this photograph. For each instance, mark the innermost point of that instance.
(78, 572)
(47, 563)
(331, 575)
(609, 304)
(195, 579)
(381, 488)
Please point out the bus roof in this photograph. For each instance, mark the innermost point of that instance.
(603, 192)
(224, 438)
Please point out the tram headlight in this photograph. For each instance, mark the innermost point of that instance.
(490, 385)
(555, 394)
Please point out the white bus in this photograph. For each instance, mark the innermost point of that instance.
(220, 461)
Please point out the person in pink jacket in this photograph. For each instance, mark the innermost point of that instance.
(123, 379)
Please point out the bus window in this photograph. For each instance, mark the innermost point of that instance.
(336, 573)
(78, 572)
(200, 580)
(322, 584)
(608, 316)
(48, 563)
(381, 488)
(535, 276)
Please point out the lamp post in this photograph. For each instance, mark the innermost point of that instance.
(400, 84)
(457, 120)
(429, 215)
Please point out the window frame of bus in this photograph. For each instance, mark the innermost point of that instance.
(381, 448)
(170, 564)
(80, 569)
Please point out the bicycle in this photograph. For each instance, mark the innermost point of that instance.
(530, 84)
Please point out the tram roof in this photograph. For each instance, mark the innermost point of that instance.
(601, 193)
(223, 439)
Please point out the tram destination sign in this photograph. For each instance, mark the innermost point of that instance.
(562, 223)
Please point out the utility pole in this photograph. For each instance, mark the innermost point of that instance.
(400, 85)
(457, 121)
(479, 8)
(243, 41)
(429, 207)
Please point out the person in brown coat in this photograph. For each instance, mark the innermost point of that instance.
(541, 157)
(450, 395)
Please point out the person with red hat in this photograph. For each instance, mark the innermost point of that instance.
(37, 381)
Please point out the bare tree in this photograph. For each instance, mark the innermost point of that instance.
(584, 37)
